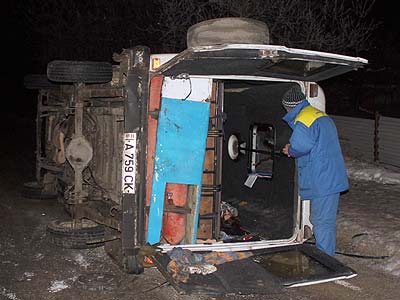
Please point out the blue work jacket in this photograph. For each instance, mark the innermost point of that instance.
(315, 144)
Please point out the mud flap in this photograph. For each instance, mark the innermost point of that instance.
(268, 271)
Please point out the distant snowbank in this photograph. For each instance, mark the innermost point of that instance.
(371, 211)
(360, 170)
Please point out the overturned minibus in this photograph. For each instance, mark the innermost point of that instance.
(183, 151)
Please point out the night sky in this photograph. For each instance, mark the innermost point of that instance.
(18, 56)
(387, 37)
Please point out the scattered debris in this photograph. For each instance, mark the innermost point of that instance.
(228, 211)
(207, 241)
(230, 223)
(202, 269)
(184, 262)
(146, 254)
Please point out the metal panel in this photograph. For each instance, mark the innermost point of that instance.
(389, 142)
(356, 136)
(180, 151)
(260, 60)
(105, 123)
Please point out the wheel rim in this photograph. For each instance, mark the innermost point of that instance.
(82, 224)
(233, 147)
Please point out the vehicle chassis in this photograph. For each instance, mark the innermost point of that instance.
(122, 103)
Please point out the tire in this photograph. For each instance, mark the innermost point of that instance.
(61, 234)
(227, 30)
(38, 82)
(79, 71)
(34, 190)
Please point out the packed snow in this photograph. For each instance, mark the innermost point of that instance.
(8, 294)
(81, 260)
(370, 215)
(58, 285)
(361, 170)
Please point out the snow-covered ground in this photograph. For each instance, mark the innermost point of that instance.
(361, 170)
(369, 215)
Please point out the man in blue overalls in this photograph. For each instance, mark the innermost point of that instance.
(321, 167)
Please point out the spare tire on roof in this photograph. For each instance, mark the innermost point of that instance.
(227, 30)
(79, 71)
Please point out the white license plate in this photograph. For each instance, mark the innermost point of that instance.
(129, 164)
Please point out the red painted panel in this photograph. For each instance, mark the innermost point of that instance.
(174, 224)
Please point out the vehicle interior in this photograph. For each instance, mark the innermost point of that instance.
(267, 208)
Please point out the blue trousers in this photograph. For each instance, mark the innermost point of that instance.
(323, 218)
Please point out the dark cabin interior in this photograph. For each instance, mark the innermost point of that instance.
(268, 208)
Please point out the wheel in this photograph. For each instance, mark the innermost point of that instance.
(79, 71)
(35, 190)
(88, 235)
(38, 82)
(227, 30)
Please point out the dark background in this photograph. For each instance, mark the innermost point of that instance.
(374, 88)
(360, 93)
